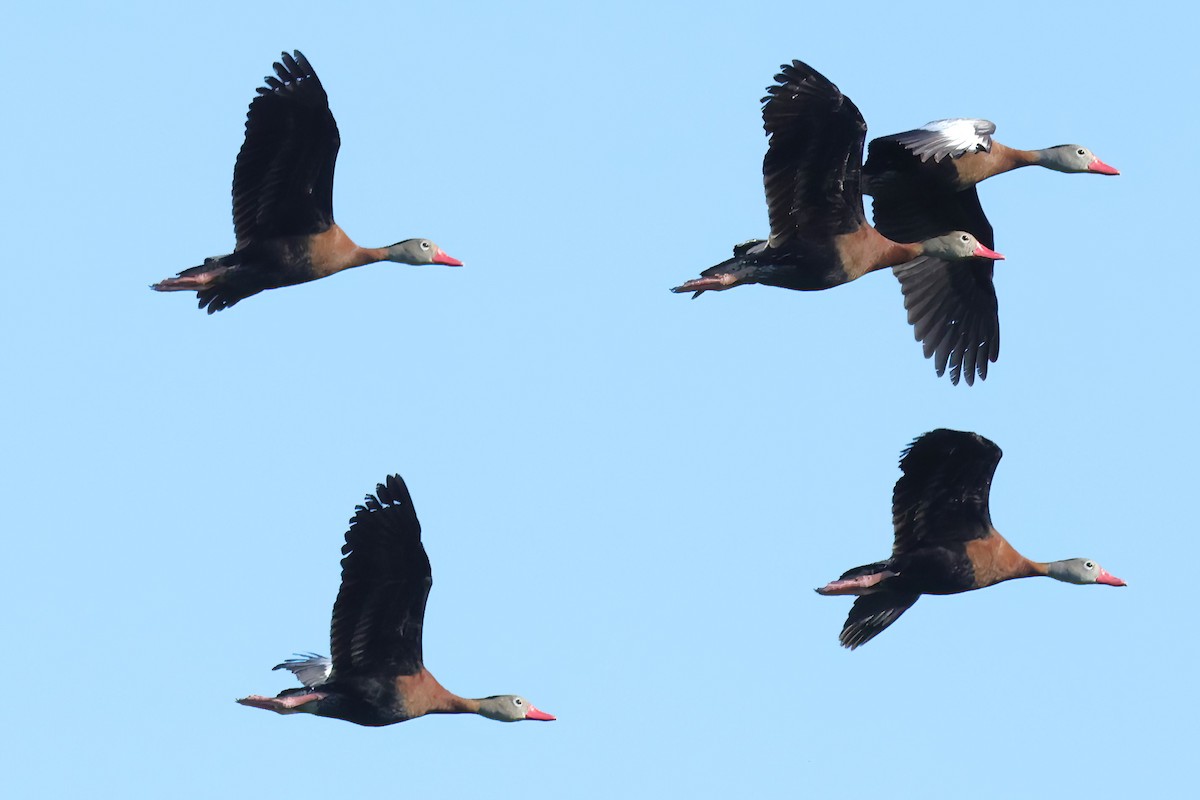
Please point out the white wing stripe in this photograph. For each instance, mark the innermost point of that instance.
(948, 137)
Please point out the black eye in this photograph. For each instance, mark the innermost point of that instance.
(966, 238)
(1081, 152)
(424, 245)
(516, 701)
(1090, 565)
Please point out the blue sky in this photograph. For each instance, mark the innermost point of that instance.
(627, 496)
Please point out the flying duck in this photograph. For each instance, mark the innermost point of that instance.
(820, 237)
(376, 675)
(944, 539)
(923, 184)
(283, 201)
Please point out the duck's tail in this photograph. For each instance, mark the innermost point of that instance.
(216, 282)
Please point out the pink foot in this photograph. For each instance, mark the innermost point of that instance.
(714, 283)
(863, 584)
(188, 283)
(281, 705)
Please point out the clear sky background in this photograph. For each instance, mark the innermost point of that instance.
(627, 496)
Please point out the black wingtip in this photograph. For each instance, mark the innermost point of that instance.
(291, 69)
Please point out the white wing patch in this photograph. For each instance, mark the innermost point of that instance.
(309, 668)
(948, 137)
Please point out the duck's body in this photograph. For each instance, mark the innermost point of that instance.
(923, 184)
(376, 675)
(283, 201)
(806, 265)
(372, 701)
(944, 539)
(812, 171)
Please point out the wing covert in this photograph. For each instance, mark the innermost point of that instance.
(947, 138)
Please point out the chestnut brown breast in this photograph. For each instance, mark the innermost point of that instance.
(332, 251)
(866, 250)
(422, 694)
(995, 560)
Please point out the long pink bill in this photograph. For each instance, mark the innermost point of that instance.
(984, 252)
(1101, 168)
(534, 713)
(1109, 579)
(441, 257)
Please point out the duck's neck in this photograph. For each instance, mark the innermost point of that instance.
(367, 255)
(867, 250)
(490, 707)
(896, 253)
(451, 703)
(1000, 158)
(1036, 569)
(1022, 567)
(1058, 571)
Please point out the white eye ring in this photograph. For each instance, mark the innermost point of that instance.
(966, 238)
(424, 245)
(1090, 565)
(1081, 152)
(516, 701)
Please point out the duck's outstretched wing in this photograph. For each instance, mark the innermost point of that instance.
(380, 608)
(813, 166)
(871, 614)
(952, 306)
(283, 179)
(943, 494)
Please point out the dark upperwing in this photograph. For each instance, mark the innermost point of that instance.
(943, 494)
(386, 577)
(812, 168)
(283, 179)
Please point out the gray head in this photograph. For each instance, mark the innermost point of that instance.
(1081, 571)
(1073, 158)
(420, 251)
(956, 246)
(510, 708)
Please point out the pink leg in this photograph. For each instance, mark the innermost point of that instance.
(715, 283)
(190, 283)
(863, 584)
(281, 705)
(180, 284)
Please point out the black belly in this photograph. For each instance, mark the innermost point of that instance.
(944, 569)
(363, 704)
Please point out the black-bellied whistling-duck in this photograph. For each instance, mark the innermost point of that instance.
(923, 184)
(376, 675)
(819, 234)
(283, 201)
(945, 542)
